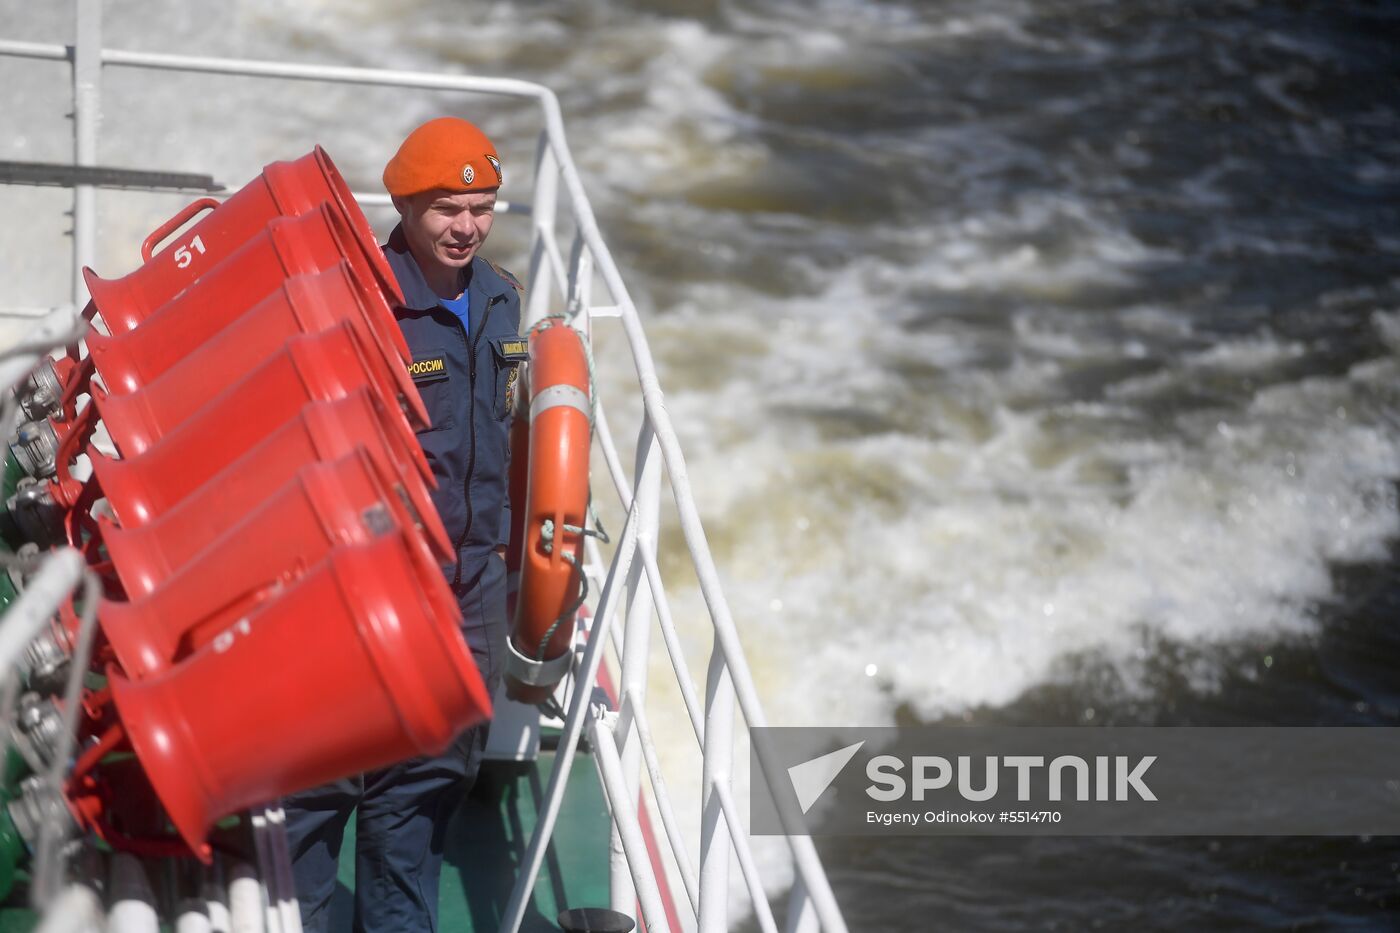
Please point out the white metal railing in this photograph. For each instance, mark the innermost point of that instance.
(622, 737)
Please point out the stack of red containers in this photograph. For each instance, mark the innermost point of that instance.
(285, 621)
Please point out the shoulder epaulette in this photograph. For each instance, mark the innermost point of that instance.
(510, 280)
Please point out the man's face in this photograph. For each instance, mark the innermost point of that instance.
(446, 228)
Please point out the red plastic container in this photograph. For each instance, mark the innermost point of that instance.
(177, 476)
(303, 305)
(285, 247)
(325, 504)
(312, 367)
(132, 360)
(283, 189)
(352, 668)
(185, 602)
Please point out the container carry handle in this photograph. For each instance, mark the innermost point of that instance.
(173, 224)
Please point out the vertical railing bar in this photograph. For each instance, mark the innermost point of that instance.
(676, 656)
(622, 893)
(281, 853)
(593, 560)
(556, 264)
(603, 432)
(77, 909)
(50, 858)
(637, 644)
(747, 867)
(663, 800)
(272, 917)
(609, 450)
(619, 643)
(801, 912)
(685, 683)
(689, 693)
(717, 758)
(60, 572)
(804, 852)
(726, 634)
(580, 284)
(605, 755)
(514, 912)
(686, 920)
(87, 124)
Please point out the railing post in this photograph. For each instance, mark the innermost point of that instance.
(627, 825)
(585, 677)
(636, 645)
(714, 831)
(542, 216)
(578, 292)
(87, 117)
(801, 915)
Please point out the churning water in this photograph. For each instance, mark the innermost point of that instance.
(1036, 362)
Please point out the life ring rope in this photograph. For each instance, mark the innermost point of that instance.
(547, 543)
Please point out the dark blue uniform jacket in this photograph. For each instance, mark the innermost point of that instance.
(467, 380)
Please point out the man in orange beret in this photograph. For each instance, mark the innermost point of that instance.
(461, 319)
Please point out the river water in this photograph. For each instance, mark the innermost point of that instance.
(1036, 362)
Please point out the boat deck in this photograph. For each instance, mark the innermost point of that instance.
(487, 838)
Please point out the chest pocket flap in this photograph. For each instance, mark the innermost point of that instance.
(511, 349)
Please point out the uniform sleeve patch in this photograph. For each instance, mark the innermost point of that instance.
(428, 367)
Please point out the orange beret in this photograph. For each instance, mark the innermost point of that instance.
(444, 153)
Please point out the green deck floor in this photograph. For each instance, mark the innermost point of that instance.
(486, 844)
(17, 919)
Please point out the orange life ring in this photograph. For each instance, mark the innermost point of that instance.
(547, 522)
